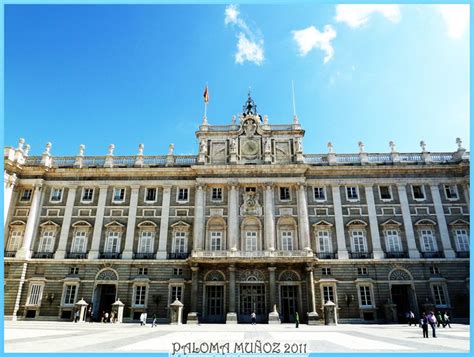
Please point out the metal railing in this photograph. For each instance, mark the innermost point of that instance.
(394, 255)
(71, 255)
(9, 253)
(143, 256)
(325, 255)
(178, 255)
(43, 255)
(360, 255)
(432, 254)
(462, 254)
(108, 255)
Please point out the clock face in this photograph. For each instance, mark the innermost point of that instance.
(250, 147)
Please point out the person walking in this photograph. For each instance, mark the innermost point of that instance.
(446, 319)
(142, 318)
(411, 318)
(432, 321)
(76, 316)
(153, 323)
(439, 317)
(297, 319)
(253, 317)
(424, 325)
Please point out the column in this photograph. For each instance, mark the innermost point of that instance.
(63, 236)
(233, 218)
(231, 317)
(193, 314)
(9, 181)
(443, 227)
(269, 220)
(341, 239)
(374, 224)
(311, 288)
(199, 217)
(131, 222)
(19, 292)
(303, 218)
(99, 221)
(271, 273)
(413, 251)
(165, 217)
(24, 252)
(465, 187)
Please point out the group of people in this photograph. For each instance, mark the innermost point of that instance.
(253, 318)
(144, 317)
(430, 319)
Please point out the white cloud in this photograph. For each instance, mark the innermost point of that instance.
(250, 41)
(310, 38)
(249, 51)
(456, 18)
(358, 15)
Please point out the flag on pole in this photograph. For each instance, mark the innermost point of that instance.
(206, 95)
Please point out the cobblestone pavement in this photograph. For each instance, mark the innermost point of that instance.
(48, 336)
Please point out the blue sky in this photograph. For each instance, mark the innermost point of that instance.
(97, 75)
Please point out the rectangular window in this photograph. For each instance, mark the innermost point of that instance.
(451, 192)
(36, 292)
(439, 295)
(183, 194)
(323, 242)
(326, 271)
(365, 298)
(177, 271)
(56, 194)
(119, 194)
(285, 194)
(46, 244)
(176, 293)
(180, 242)
(87, 194)
(150, 195)
(140, 293)
(393, 241)
(26, 195)
(145, 245)
(358, 241)
(319, 194)
(250, 241)
(216, 194)
(73, 270)
(287, 240)
(352, 193)
(418, 192)
(142, 271)
(250, 189)
(385, 193)
(79, 244)
(112, 244)
(70, 294)
(434, 270)
(362, 271)
(427, 240)
(216, 241)
(328, 293)
(16, 239)
(462, 240)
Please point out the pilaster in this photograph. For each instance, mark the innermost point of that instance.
(231, 317)
(341, 240)
(374, 224)
(131, 222)
(199, 205)
(233, 219)
(443, 227)
(99, 221)
(193, 314)
(269, 219)
(165, 217)
(9, 185)
(66, 224)
(303, 218)
(413, 251)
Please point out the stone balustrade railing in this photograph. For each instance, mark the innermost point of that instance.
(253, 254)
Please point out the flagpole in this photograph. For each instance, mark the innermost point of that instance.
(204, 119)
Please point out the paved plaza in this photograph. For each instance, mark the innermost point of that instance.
(43, 336)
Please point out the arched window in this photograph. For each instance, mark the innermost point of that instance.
(251, 234)
(216, 229)
(426, 234)
(286, 230)
(358, 236)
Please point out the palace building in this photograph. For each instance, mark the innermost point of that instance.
(250, 223)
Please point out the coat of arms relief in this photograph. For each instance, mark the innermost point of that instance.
(251, 206)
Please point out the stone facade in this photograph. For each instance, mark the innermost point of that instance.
(250, 223)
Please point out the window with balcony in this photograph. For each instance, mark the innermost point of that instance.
(462, 239)
(287, 240)
(15, 241)
(216, 241)
(427, 240)
(47, 242)
(145, 242)
(180, 242)
(324, 241)
(393, 241)
(112, 243)
(251, 241)
(79, 244)
(358, 241)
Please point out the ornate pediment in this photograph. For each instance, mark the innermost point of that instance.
(251, 206)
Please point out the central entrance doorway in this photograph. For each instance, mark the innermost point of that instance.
(104, 297)
(289, 302)
(252, 299)
(401, 296)
(215, 303)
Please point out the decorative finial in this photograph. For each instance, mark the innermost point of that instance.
(204, 120)
(171, 149)
(26, 151)
(47, 149)
(459, 142)
(330, 148)
(21, 142)
(361, 147)
(233, 119)
(249, 108)
(423, 146)
(82, 147)
(140, 149)
(265, 120)
(111, 150)
(393, 147)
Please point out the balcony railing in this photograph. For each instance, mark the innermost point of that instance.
(76, 255)
(432, 254)
(360, 255)
(458, 254)
(392, 255)
(325, 255)
(43, 255)
(251, 254)
(178, 255)
(143, 256)
(108, 255)
(9, 254)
